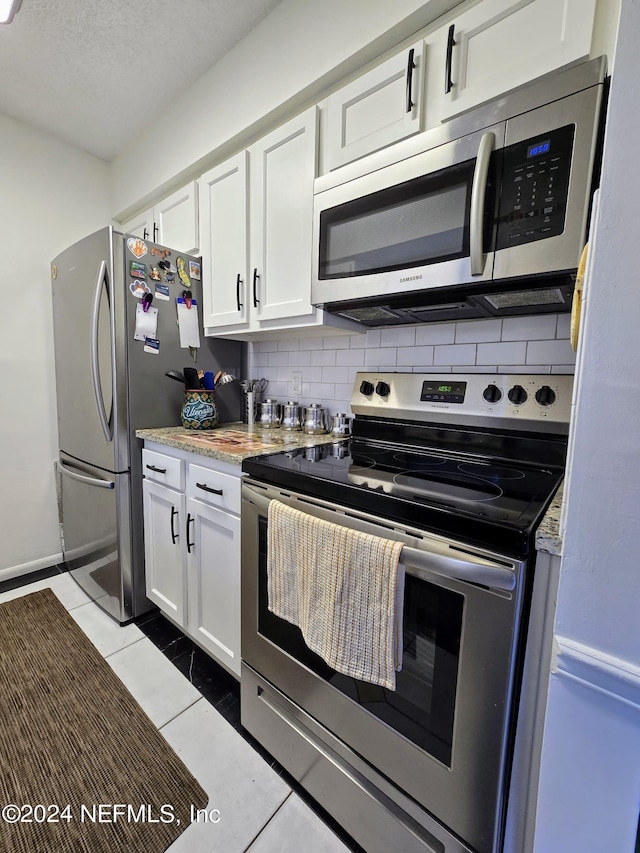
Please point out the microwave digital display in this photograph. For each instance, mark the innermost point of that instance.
(539, 148)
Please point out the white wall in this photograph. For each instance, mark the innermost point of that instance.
(300, 48)
(51, 195)
(590, 777)
(536, 344)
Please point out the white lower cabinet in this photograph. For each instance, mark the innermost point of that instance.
(192, 548)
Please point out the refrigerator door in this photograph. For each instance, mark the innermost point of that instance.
(87, 300)
(97, 535)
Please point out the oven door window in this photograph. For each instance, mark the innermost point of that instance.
(422, 706)
(421, 221)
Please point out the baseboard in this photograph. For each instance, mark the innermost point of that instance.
(594, 669)
(33, 566)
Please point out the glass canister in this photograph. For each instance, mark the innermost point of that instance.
(291, 415)
(270, 414)
(199, 410)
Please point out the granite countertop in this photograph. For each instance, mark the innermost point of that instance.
(232, 442)
(548, 536)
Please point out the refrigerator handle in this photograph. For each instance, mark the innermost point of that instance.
(95, 368)
(88, 481)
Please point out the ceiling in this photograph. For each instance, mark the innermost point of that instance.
(94, 72)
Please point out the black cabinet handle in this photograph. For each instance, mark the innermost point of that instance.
(238, 283)
(174, 535)
(155, 229)
(189, 544)
(145, 234)
(410, 66)
(255, 288)
(448, 82)
(206, 488)
(157, 470)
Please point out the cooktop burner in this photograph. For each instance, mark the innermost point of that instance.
(480, 464)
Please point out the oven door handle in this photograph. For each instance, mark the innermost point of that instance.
(423, 563)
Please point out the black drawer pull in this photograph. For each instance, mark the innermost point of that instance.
(157, 470)
(256, 301)
(190, 545)
(238, 283)
(410, 66)
(206, 488)
(448, 82)
(174, 535)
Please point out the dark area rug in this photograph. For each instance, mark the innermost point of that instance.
(82, 768)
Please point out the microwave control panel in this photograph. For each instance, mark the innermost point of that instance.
(535, 187)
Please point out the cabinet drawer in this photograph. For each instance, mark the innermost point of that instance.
(163, 469)
(213, 487)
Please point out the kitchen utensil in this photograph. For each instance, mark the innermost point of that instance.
(252, 399)
(225, 378)
(191, 379)
(175, 374)
(291, 416)
(207, 381)
(340, 425)
(314, 420)
(270, 414)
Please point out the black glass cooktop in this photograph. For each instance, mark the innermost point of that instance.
(494, 503)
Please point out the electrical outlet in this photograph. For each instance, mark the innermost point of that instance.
(296, 382)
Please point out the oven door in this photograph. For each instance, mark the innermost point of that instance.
(423, 222)
(442, 737)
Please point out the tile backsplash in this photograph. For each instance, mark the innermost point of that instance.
(531, 344)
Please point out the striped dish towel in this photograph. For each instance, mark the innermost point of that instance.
(343, 588)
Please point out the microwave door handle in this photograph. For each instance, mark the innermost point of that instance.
(478, 193)
(422, 564)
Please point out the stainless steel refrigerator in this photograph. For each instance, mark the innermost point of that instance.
(109, 385)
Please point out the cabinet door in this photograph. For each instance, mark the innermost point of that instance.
(164, 548)
(224, 225)
(140, 226)
(176, 219)
(502, 44)
(379, 108)
(213, 566)
(283, 168)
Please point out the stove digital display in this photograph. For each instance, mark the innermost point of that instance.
(442, 391)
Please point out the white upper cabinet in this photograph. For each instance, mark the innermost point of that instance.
(262, 280)
(498, 45)
(173, 222)
(379, 108)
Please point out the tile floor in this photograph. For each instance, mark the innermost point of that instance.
(196, 706)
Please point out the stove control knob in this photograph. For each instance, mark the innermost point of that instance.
(517, 395)
(545, 396)
(366, 388)
(492, 394)
(382, 388)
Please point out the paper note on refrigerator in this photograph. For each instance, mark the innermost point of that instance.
(146, 323)
(188, 323)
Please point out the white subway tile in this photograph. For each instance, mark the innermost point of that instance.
(455, 354)
(432, 369)
(266, 346)
(321, 389)
(300, 358)
(350, 356)
(550, 352)
(358, 342)
(375, 356)
(404, 336)
(288, 344)
(278, 359)
(522, 368)
(412, 356)
(343, 391)
(312, 374)
(563, 368)
(373, 337)
(313, 343)
(268, 373)
(284, 374)
(353, 372)
(276, 391)
(436, 333)
(323, 357)
(338, 342)
(534, 327)
(260, 359)
(335, 374)
(502, 353)
(476, 331)
(391, 368)
(563, 329)
(475, 368)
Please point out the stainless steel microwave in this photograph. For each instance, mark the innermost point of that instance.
(484, 215)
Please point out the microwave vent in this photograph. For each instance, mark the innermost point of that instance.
(526, 298)
(371, 314)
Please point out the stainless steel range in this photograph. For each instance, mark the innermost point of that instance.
(460, 469)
